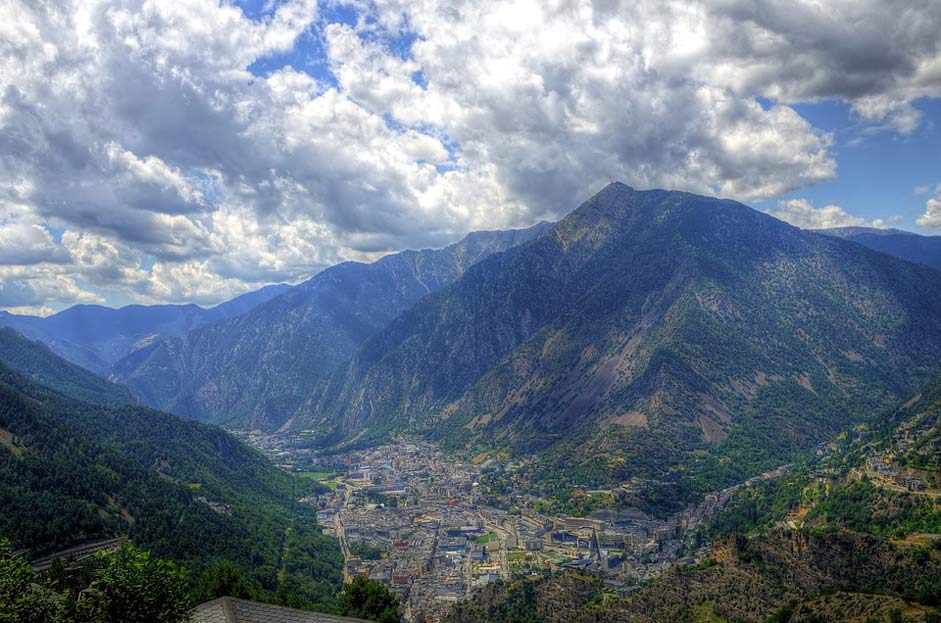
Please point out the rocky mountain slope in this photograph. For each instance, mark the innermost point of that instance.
(95, 337)
(256, 369)
(648, 333)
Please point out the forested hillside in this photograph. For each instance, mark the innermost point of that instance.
(37, 362)
(783, 576)
(72, 472)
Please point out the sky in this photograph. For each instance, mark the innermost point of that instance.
(189, 151)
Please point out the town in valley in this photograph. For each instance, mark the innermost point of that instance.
(429, 527)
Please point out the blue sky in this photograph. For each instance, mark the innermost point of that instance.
(878, 173)
(194, 150)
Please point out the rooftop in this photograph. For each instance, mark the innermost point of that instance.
(232, 610)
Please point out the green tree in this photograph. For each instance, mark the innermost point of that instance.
(131, 587)
(368, 599)
(224, 579)
(21, 599)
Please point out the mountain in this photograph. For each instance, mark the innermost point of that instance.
(72, 472)
(649, 333)
(256, 369)
(95, 337)
(903, 244)
(37, 362)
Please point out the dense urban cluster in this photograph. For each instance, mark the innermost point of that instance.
(422, 524)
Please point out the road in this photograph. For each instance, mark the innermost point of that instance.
(504, 555)
(80, 552)
(341, 531)
(876, 478)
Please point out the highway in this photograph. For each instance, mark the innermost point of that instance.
(80, 552)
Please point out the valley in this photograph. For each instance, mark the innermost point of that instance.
(461, 537)
(434, 530)
(659, 390)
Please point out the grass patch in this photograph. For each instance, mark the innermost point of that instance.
(319, 475)
(706, 613)
(6, 440)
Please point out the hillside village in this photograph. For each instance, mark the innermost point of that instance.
(894, 466)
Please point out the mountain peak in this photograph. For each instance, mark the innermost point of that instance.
(614, 191)
(616, 185)
(644, 319)
(619, 215)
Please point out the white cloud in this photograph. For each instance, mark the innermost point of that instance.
(28, 310)
(40, 286)
(802, 213)
(28, 243)
(880, 56)
(565, 98)
(140, 158)
(932, 216)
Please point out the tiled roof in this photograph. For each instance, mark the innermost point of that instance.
(231, 610)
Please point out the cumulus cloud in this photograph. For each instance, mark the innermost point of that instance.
(40, 287)
(878, 55)
(932, 216)
(802, 213)
(140, 157)
(560, 98)
(26, 243)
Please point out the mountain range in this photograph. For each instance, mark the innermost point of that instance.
(255, 370)
(96, 337)
(646, 332)
(680, 342)
(903, 244)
